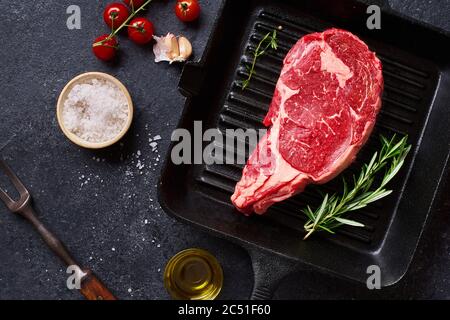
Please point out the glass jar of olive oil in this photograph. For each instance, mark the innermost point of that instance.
(193, 274)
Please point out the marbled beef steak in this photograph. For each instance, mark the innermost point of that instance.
(323, 111)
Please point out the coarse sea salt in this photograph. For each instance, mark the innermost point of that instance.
(95, 111)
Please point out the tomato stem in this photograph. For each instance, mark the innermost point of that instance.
(112, 25)
(184, 6)
(101, 43)
(116, 31)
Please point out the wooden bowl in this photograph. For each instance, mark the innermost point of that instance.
(63, 97)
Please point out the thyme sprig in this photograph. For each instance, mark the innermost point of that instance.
(269, 41)
(332, 212)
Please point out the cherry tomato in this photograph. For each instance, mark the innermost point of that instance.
(115, 15)
(187, 10)
(107, 50)
(136, 4)
(140, 30)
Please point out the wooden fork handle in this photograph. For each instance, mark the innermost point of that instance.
(93, 289)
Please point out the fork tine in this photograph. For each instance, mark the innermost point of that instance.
(15, 180)
(6, 199)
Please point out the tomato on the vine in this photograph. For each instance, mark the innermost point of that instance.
(187, 10)
(140, 30)
(136, 4)
(115, 15)
(105, 48)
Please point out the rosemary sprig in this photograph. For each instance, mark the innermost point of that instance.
(269, 41)
(115, 31)
(332, 212)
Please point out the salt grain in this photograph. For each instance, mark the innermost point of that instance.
(95, 111)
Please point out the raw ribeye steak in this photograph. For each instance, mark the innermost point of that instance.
(323, 111)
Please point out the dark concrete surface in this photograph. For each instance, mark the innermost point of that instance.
(99, 203)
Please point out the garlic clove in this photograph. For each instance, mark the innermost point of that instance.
(185, 48)
(167, 40)
(174, 51)
(162, 47)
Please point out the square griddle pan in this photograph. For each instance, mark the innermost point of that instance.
(415, 59)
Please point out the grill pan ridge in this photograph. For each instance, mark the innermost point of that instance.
(413, 103)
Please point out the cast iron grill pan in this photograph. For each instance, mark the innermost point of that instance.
(413, 89)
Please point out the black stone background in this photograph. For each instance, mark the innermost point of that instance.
(103, 221)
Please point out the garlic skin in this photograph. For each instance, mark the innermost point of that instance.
(164, 48)
(172, 49)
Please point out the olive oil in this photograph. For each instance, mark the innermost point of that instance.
(193, 274)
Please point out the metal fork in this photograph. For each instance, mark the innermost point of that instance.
(91, 287)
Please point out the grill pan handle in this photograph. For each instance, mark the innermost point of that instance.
(191, 80)
(269, 270)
